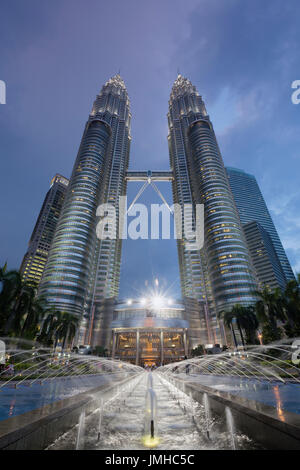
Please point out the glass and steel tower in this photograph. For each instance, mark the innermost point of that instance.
(222, 272)
(34, 261)
(195, 285)
(264, 257)
(105, 277)
(252, 207)
(81, 269)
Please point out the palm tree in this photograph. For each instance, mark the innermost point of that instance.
(20, 308)
(34, 314)
(292, 307)
(2, 272)
(12, 300)
(249, 323)
(6, 294)
(270, 309)
(67, 328)
(246, 321)
(228, 318)
(49, 326)
(23, 313)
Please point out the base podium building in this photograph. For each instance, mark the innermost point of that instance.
(144, 333)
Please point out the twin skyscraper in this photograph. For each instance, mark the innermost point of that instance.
(82, 272)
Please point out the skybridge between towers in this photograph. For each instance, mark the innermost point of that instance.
(149, 178)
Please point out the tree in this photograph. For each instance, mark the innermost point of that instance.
(246, 322)
(23, 313)
(11, 298)
(292, 307)
(67, 327)
(21, 309)
(51, 321)
(270, 309)
(228, 318)
(35, 312)
(249, 323)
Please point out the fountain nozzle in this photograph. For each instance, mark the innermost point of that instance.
(152, 429)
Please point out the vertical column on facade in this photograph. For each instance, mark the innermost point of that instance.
(137, 355)
(185, 344)
(114, 344)
(161, 347)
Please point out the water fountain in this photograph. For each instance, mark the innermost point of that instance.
(150, 439)
(150, 380)
(81, 432)
(260, 378)
(100, 418)
(207, 412)
(230, 427)
(164, 407)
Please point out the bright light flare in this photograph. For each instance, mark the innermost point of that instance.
(158, 301)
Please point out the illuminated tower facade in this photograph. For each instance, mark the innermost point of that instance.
(220, 274)
(34, 261)
(104, 283)
(83, 271)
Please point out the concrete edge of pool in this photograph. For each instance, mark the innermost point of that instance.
(262, 423)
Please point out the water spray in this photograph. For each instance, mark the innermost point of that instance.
(100, 419)
(150, 439)
(80, 434)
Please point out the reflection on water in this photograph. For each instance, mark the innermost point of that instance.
(12, 407)
(278, 403)
(20, 400)
(282, 396)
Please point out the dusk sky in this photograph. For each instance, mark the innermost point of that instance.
(55, 56)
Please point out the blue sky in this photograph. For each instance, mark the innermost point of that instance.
(55, 55)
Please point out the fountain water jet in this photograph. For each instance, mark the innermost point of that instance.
(150, 380)
(230, 426)
(81, 431)
(100, 418)
(149, 439)
(207, 413)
